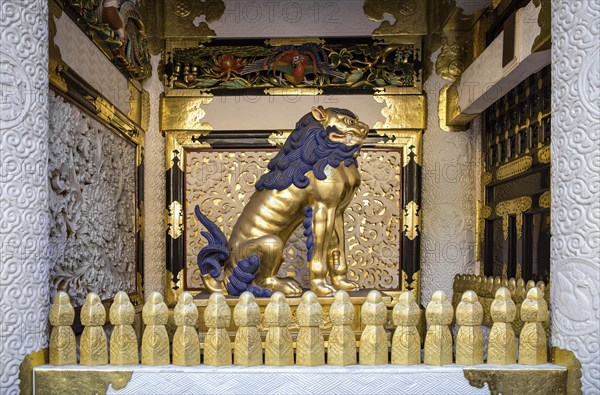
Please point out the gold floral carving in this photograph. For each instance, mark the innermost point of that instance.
(402, 112)
(513, 207)
(532, 340)
(65, 381)
(63, 345)
(501, 341)
(174, 219)
(217, 345)
(412, 220)
(248, 344)
(469, 339)
(224, 179)
(279, 349)
(186, 344)
(545, 200)
(155, 341)
(123, 340)
(374, 339)
(93, 345)
(310, 350)
(515, 167)
(406, 343)
(516, 382)
(341, 349)
(544, 154)
(438, 340)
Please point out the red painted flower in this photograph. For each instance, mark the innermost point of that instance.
(229, 64)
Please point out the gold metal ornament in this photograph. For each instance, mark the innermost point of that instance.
(174, 219)
(310, 350)
(186, 344)
(402, 112)
(277, 139)
(438, 340)
(406, 342)
(515, 167)
(155, 341)
(123, 340)
(217, 345)
(532, 340)
(63, 345)
(410, 141)
(104, 109)
(373, 348)
(341, 349)
(412, 220)
(544, 154)
(469, 339)
(545, 200)
(502, 346)
(248, 344)
(513, 207)
(279, 349)
(93, 344)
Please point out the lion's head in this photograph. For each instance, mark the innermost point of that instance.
(322, 137)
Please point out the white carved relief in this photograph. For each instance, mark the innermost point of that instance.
(154, 190)
(92, 205)
(450, 164)
(24, 297)
(222, 183)
(575, 245)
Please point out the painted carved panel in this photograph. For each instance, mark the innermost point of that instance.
(92, 188)
(221, 182)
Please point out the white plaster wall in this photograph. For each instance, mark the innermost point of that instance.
(154, 190)
(449, 193)
(575, 246)
(24, 295)
(285, 18)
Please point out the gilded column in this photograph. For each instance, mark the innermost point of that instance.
(24, 289)
(575, 180)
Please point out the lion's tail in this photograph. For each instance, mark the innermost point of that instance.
(212, 257)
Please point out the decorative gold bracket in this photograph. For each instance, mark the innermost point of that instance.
(513, 207)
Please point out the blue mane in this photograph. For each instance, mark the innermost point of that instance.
(307, 148)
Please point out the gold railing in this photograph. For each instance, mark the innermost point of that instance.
(310, 348)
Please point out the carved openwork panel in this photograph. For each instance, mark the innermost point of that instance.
(92, 187)
(222, 181)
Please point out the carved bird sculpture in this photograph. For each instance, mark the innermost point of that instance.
(295, 63)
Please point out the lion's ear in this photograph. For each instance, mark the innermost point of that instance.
(319, 113)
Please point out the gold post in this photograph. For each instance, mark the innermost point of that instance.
(63, 346)
(310, 350)
(217, 346)
(123, 340)
(373, 348)
(186, 344)
(248, 344)
(406, 343)
(94, 345)
(438, 341)
(469, 339)
(532, 341)
(342, 343)
(279, 349)
(502, 347)
(155, 342)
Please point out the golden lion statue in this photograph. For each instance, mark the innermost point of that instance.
(311, 181)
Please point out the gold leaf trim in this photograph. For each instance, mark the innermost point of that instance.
(513, 207)
(104, 109)
(173, 289)
(412, 220)
(176, 142)
(513, 168)
(277, 139)
(402, 112)
(543, 154)
(521, 381)
(293, 91)
(276, 42)
(174, 219)
(88, 381)
(410, 142)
